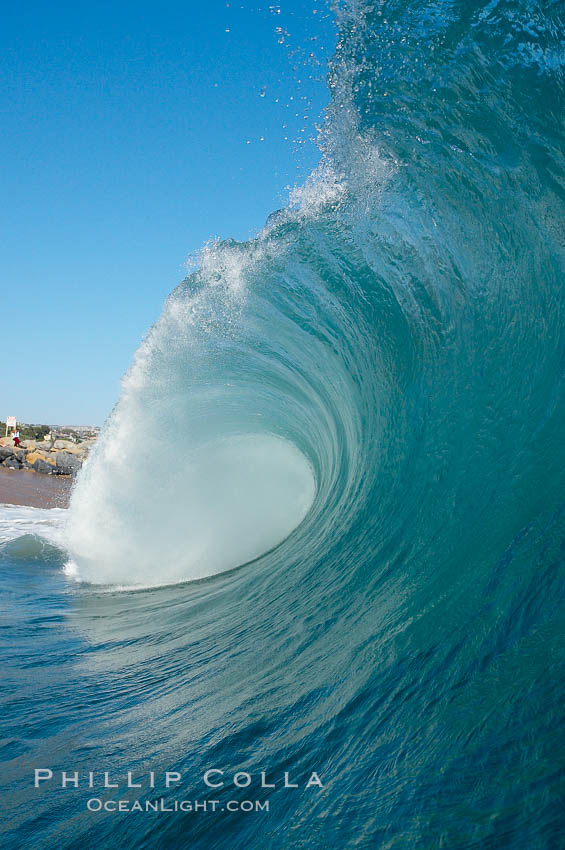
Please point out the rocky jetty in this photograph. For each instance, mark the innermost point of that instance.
(49, 457)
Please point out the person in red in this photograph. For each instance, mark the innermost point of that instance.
(16, 442)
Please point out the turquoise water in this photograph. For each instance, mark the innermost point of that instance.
(350, 560)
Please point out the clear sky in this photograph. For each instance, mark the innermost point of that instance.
(132, 133)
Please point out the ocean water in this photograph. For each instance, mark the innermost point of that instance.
(323, 530)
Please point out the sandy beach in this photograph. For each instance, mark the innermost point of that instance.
(25, 487)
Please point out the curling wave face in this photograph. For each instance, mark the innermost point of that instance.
(243, 392)
(366, 404)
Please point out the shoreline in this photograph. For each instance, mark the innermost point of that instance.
(25, 488)
(50, 456)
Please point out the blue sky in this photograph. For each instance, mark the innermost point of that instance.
(131, 134)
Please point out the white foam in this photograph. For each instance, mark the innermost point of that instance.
(218, 506)
(16, 520)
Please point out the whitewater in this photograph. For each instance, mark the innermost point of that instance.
(353, 560)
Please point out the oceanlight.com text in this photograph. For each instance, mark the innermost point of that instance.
(95, 804)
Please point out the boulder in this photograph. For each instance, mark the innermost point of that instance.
(40, 462)
(67, 463)
(12, 463)
(74, 450)
(6, 452)
(29, 444)
(40, 465)
(64, 444)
